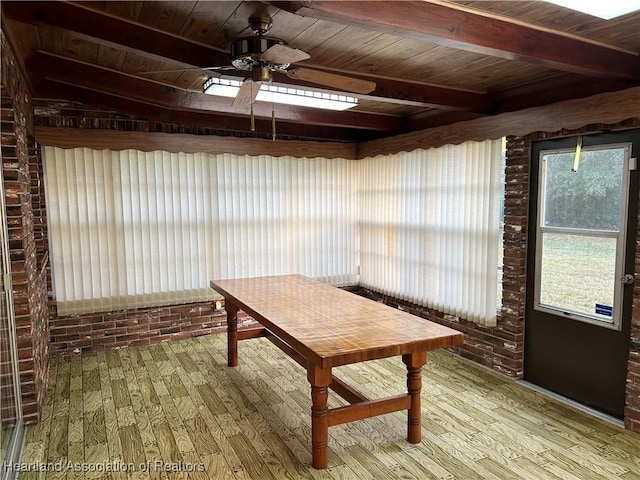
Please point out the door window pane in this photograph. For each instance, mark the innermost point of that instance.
(578, 274)
(589, 198)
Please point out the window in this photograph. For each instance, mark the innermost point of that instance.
(130, 229)
(429, 227)
(581, 247)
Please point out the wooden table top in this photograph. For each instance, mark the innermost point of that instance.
(330, 326)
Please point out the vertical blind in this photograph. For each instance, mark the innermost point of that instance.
(429, 227)
(129, 229)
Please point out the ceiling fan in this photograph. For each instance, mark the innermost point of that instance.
(262, 56)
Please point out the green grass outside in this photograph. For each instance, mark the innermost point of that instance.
(577, 272)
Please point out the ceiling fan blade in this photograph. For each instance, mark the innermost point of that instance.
(175, 70)
(341, 82)
(247, 93)
(281, 53)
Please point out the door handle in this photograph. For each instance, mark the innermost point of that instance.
(628, 279)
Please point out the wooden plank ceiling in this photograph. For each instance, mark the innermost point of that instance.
(433, 62)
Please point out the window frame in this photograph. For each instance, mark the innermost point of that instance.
(620, 236)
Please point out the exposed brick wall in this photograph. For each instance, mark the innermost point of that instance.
(38, 207)
(73, 115)
(128, 328)
(21, 170)
(499, 348)
(145, 326)
(632, 408)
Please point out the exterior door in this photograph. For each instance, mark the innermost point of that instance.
(582, 231)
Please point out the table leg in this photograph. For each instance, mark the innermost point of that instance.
(320, 379)
(414, 363)
(232, 334)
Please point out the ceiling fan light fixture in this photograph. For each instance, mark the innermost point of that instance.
(229, 87)
(261, 74)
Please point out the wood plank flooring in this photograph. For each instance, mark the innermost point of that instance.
(176, 411)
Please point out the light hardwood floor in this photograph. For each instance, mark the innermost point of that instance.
(178, 406)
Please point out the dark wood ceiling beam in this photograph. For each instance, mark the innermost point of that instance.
(115, 32)
(144, 40)
(422, 121)
(51, 90)
(457, 27)
(554, 89)
(429, 96)
(72, 72)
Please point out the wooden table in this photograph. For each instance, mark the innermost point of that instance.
(322, 327)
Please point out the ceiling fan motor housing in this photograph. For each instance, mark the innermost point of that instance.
(246, 51)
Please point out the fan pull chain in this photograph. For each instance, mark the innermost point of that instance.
(253, 120)
(273, 123)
